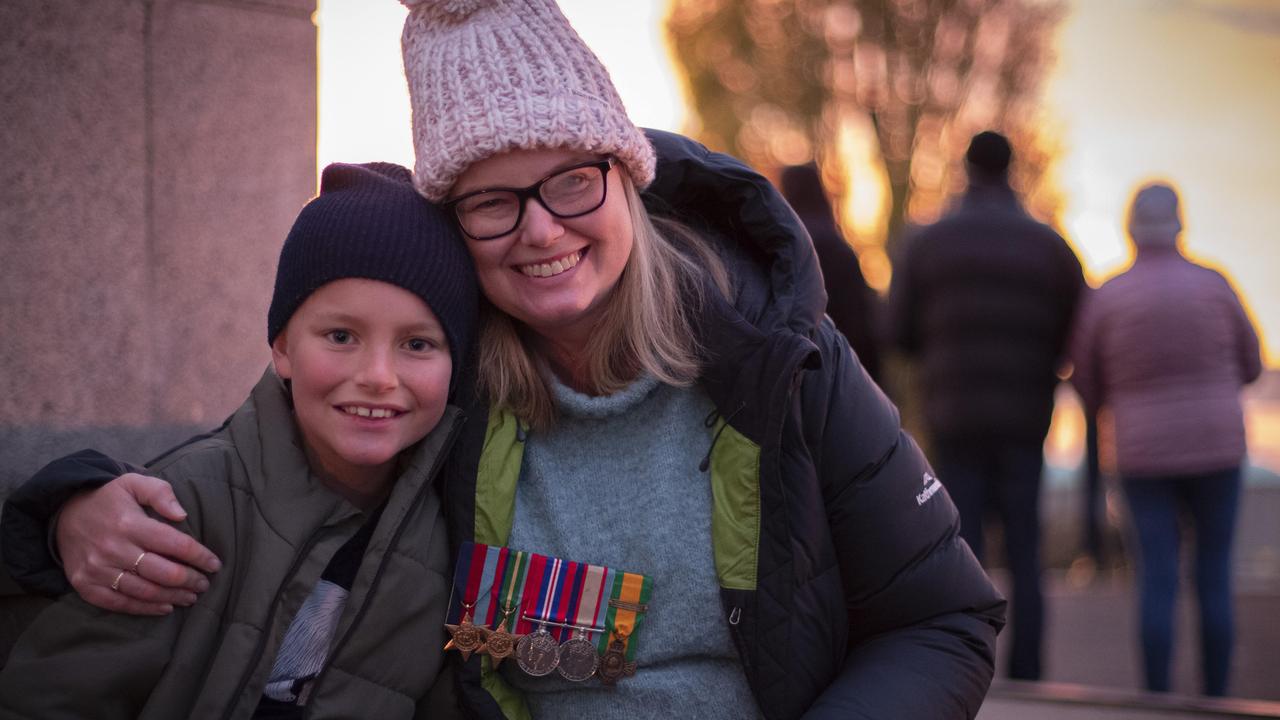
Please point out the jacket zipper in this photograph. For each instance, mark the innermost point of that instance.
(427, 484)
(252, 666)
(735, 613)
(710, 422)
(735, 632)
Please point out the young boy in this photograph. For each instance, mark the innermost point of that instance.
(317, 495)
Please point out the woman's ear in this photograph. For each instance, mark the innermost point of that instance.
(280, 355)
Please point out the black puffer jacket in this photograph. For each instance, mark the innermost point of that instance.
(862, 601)
(985, 298)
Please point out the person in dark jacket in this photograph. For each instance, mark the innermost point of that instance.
(984, 299)
(850, 302)
(671, 400)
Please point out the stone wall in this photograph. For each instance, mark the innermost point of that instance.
(154, 155)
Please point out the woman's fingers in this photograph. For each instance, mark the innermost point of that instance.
(101, 534)
(160, 571)
(160, 538)
(134, 588)
(107, 599)
(155, 494)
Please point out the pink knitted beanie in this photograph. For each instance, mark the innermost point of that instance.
(488, 76)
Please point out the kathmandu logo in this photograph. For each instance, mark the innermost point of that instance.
(931, 487)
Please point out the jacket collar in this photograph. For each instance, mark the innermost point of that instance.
(989, 194)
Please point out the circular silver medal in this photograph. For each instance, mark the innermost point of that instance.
(538, 653)
(578, 658)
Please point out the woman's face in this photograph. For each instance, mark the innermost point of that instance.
(552, 274)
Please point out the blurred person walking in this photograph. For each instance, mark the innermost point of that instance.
(1167, 346)
(984, 298)
(851, 303)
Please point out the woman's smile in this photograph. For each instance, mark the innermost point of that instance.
(553, 267)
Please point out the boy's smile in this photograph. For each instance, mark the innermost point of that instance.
(369, 368)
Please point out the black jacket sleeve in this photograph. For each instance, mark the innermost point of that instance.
(26, 517)
(923, 615)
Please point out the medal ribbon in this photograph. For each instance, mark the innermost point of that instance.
(529, 592)
(589, 596)
(631, 589)
(552, 589)
(512, 582)
(462, 588)
(492, 578)
(492, 563)
(479, 568)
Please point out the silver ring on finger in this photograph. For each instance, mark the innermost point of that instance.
(115, 584)
(137, 562)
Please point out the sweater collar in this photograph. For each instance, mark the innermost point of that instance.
(597, 407)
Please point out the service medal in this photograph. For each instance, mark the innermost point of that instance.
(466, 636)
(614, 666)
(538, 653)
(578, 658)
(501, 644)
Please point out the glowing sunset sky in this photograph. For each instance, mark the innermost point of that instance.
(1187, 90)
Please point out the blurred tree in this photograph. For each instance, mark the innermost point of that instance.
(775, 82)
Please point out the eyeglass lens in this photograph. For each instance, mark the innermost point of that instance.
(575, 191)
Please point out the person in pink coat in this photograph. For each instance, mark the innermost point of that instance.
(1166, 346)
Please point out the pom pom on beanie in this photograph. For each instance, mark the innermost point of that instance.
(448, 10)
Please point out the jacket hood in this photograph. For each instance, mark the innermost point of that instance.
(754, 342)
(777, 280)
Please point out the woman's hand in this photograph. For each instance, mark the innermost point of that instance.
(103, 533)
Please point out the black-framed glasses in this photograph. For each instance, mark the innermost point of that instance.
(493, 212)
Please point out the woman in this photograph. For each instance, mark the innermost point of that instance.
(660, 399)
(1166, 346)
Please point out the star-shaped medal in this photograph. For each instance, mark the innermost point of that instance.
(467, 637)
(500, 645)
(614, 665)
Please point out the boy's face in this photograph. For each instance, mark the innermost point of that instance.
(369, 368)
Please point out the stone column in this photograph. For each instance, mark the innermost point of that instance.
(154, 156)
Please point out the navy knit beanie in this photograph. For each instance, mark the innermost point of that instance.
(369, 222)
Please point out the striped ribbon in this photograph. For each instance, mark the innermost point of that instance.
(633, 590)
(491, 579)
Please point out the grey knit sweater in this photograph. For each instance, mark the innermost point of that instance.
(616, 482)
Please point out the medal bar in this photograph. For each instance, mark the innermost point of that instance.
(562, 607)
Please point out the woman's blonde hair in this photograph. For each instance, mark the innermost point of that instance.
(646, 327)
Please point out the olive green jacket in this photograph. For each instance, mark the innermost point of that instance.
(252, 500)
